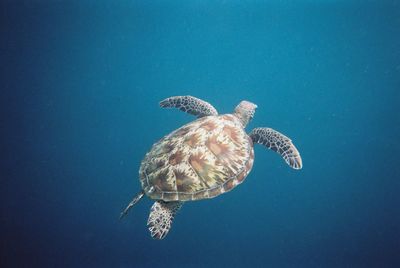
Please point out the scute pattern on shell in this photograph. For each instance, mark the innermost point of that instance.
(202, 159)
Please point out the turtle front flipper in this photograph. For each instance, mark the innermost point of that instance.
(161, 217)
(279, 143)
(190, 105)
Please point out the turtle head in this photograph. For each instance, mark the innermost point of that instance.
(245, 112)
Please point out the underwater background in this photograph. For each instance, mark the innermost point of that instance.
(80, 86)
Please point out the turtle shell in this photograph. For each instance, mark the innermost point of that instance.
(202, 159)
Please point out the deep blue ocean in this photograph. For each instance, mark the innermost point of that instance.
(80, 87)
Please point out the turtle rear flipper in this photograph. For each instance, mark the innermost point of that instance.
(132, 203)
(279, 143)
(190, 105)
(161, 217)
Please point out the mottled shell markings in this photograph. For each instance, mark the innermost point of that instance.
(193, 140)
(175, 158)
(199, 160)
(208, 125)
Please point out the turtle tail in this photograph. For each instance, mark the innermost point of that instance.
(136, 199)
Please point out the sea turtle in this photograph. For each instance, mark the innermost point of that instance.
(202, 159)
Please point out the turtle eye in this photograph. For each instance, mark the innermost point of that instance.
(251, 114)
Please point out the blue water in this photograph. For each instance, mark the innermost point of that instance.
(80, 86)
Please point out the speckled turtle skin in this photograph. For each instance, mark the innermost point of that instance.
(202, 159)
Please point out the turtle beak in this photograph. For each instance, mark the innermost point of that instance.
(248, 105)
(245, 111)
